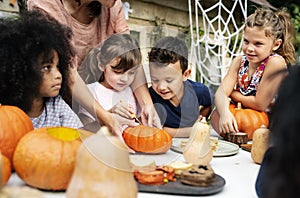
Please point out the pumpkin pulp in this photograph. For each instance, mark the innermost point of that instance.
(63, 133)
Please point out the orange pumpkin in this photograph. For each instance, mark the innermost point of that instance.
(147, 139)
(45, 158)
(14, 124)
(248, 120)
(6, 169)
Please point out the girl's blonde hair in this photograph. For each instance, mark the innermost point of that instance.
(278, 25)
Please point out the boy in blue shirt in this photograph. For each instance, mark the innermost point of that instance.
(179, 101)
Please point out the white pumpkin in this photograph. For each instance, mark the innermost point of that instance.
(102, 169)
(198, 149)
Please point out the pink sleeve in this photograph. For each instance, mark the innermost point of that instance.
(117, 14)
(53, 8)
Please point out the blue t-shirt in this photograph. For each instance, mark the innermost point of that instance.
(187, 112)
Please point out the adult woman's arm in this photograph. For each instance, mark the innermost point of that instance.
(139, 86)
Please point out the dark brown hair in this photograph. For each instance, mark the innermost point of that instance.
(169, 50)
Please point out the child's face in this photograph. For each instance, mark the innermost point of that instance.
(257, 46)
(167, 81)
(52, 77)
(118, 79)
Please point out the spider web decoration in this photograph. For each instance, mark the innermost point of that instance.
(216, 39)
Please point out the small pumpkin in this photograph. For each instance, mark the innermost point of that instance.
(5, 166)
(14, 124)
(147, 139)
(44, 158)
(248, 120)
(102, 169)
(198, 149)
(260, 144)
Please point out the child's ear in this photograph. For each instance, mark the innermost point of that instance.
(186, 74)
(99, 64)
(100, 67)
(277, 44)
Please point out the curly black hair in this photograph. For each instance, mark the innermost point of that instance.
(169, 50)
(23, 41)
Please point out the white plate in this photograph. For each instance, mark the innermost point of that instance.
(224, 148)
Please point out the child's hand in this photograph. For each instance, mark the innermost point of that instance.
(228, 124)
(123, 109)
(150, 117)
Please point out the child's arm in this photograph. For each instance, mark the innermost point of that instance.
(268, 86)
(89, 124)
(227, 122)
(85, 119)
(88, 121)
(178, 132)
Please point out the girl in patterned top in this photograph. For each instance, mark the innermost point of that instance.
(35, 56)
(267, 48)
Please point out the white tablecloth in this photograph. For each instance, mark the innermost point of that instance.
(239, 172)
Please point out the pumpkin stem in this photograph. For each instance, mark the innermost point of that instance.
(239, 106)
(203, 120)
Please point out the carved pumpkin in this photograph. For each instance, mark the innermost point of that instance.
(102, 169)
(198, 149)
(44, 158)
(14, 124)
(5, 168)
(248, 120)
(147, 139)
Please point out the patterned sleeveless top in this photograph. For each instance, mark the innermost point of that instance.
(247, 85)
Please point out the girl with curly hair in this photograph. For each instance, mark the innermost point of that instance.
(35, 57)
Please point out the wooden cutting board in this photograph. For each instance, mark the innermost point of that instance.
(177, 188)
